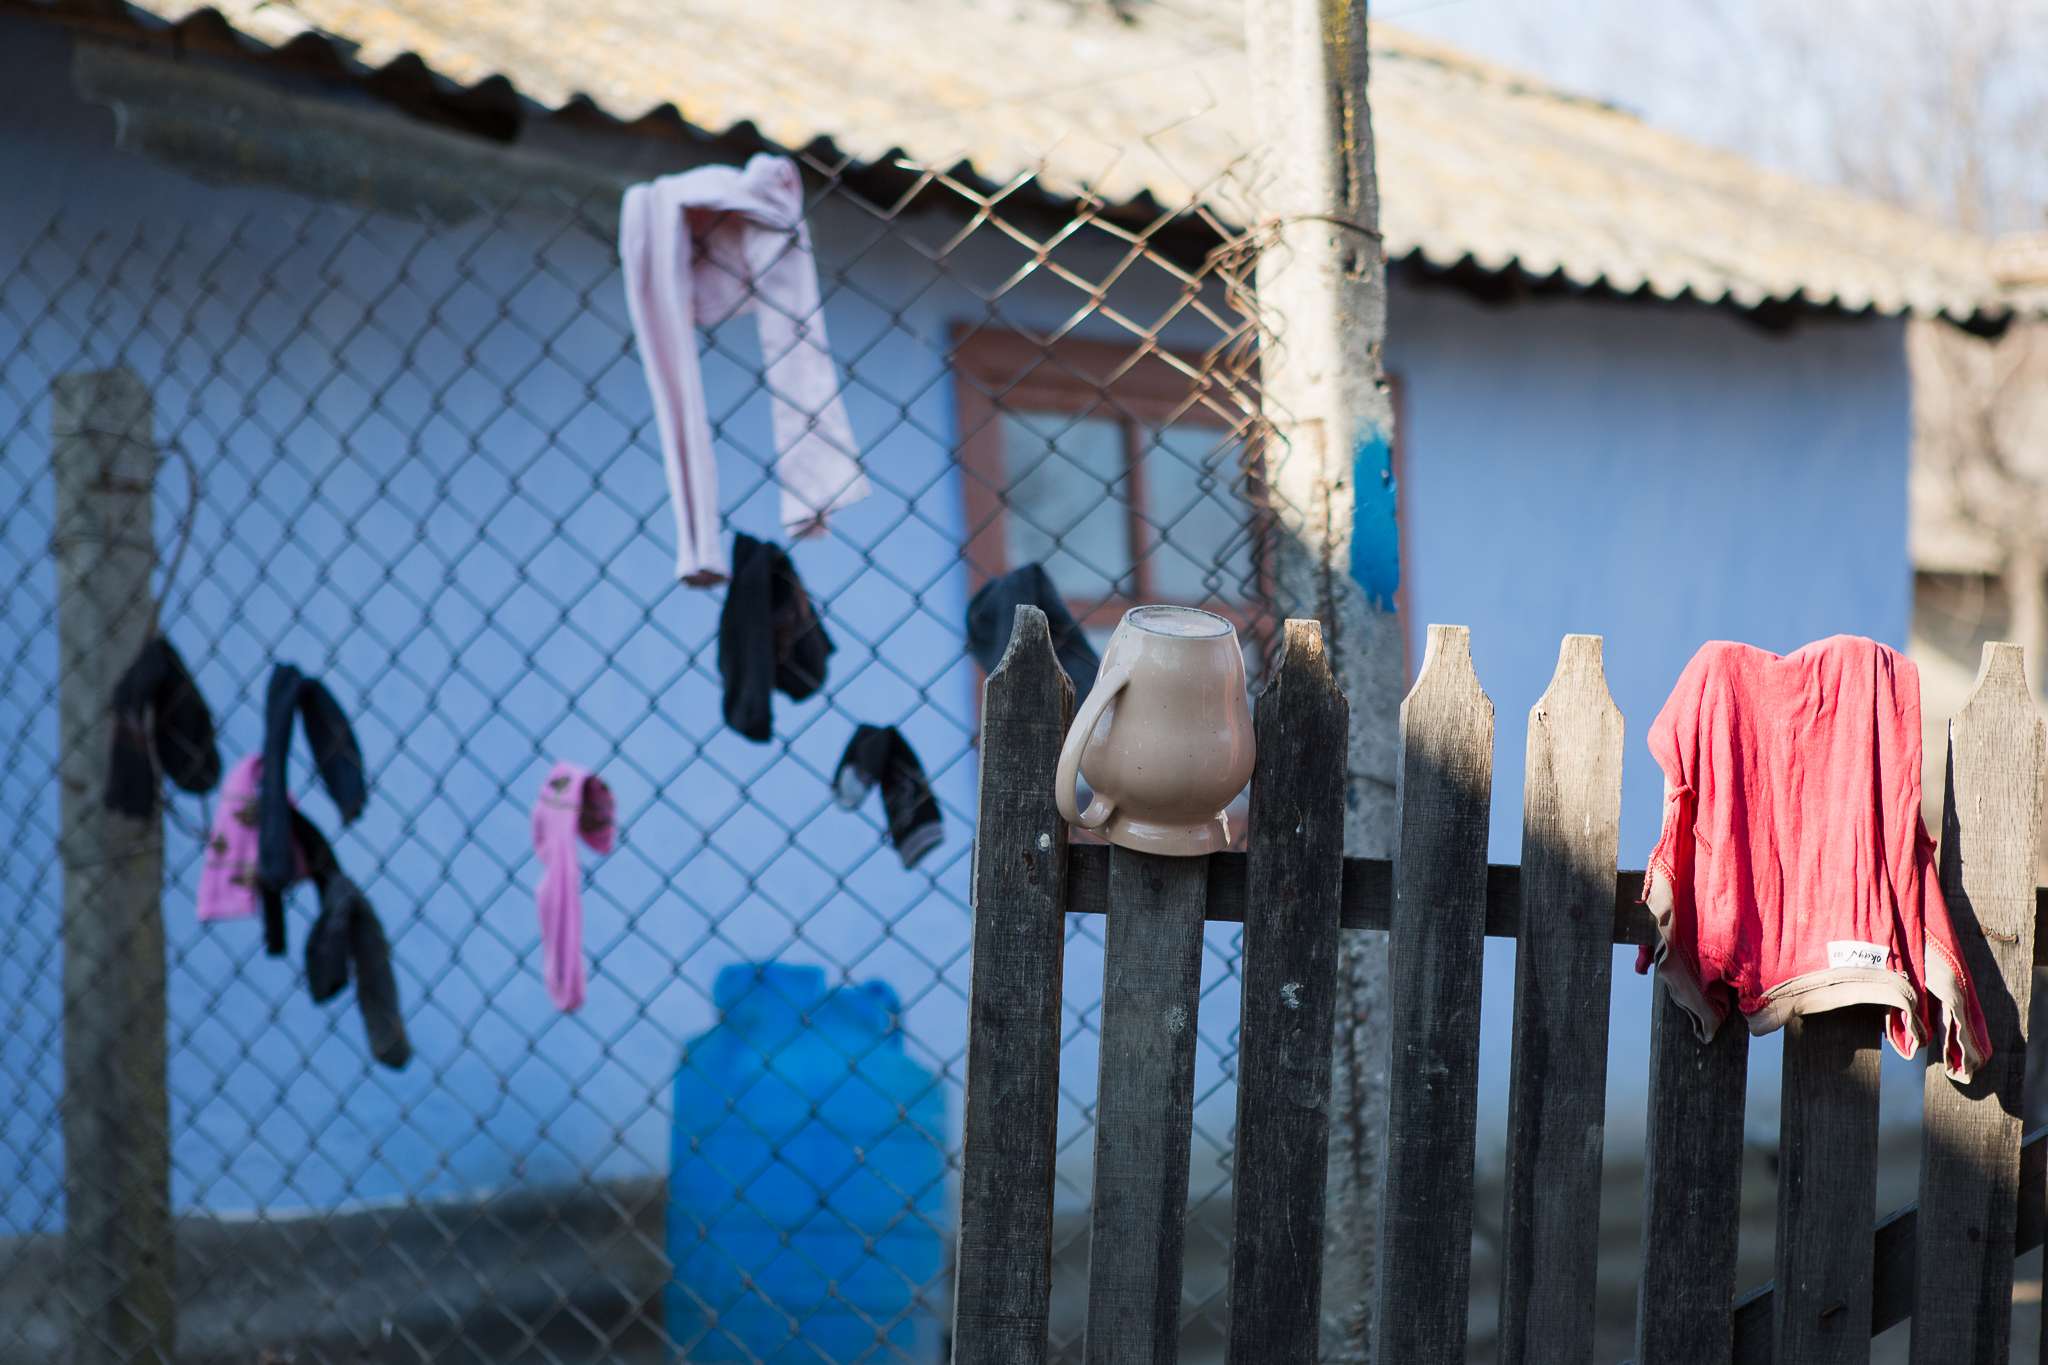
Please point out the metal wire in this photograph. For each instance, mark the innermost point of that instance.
(423, 467)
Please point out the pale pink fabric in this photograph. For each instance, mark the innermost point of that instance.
(573, 803)
(227, 875)
(698, 249)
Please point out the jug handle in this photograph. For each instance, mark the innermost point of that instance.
(1099, 810)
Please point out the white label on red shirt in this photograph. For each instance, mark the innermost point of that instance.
(1849, 953)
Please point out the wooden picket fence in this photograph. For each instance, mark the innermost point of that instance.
(1947, 1262)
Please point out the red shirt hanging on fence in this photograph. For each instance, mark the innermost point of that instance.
(1794, 873)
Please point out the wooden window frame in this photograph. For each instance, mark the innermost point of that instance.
(997, 371)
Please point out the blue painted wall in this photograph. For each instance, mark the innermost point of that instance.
(1662, 475)
(452, 511)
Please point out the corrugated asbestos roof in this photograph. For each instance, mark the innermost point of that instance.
(1476, 164)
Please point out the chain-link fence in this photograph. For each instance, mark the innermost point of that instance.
(416, 458)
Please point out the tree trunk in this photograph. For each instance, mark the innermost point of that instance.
(1328, 467)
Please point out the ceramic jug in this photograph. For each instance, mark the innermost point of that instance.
(1165, 736)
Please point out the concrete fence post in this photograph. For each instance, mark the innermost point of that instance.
(117, 1229)
(1322, 302)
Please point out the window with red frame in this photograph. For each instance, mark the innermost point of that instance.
(1119, 475)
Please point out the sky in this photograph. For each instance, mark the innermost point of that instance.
(1859, 91)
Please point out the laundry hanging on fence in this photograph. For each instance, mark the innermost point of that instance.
(574, 803)
(769, 637)
(228, 884)
(993, 611)
(880, 754)
(347, 942)
(162, 729)
(700, 248)
(337, 757)
(1794, 874)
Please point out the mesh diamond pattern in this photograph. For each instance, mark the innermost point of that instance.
(425, 471)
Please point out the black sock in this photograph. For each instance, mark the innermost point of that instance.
(880, 754)
(162, 728)
(273, 807)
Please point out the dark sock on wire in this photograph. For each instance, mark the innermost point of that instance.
(273, 809)
(992, 614)
(348, 942)
(336, 756)
(162, 728)
(879, 754)
(769, 637)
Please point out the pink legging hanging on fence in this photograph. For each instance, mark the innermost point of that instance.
(573, 803)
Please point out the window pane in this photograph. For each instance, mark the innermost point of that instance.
(1200, 524)
(1068, 496)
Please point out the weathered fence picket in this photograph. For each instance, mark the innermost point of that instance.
(1557, 1093)
(1003, 1277)
(1438, 927)
(1827, 1186)
(1841, 1276)
(1692, 1190)
(1294, 889)
(1144, 1106)
(1969, 1173)
(1895, 1259)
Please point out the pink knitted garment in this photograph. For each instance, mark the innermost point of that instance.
(696, 249)
(227, 875)
(573, 803)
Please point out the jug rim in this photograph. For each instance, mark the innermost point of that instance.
(1151, 618)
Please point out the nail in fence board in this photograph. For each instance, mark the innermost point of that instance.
(1827, 1187)
(1970, 1158)
(1293, 892)
(1563, 967)
(1144, 1114)
(1003, 1282)
(1692, 1189)
(1437, 930)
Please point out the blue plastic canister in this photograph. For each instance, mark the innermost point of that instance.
(807, 1181)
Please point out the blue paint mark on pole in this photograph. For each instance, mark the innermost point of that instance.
(1375, 533)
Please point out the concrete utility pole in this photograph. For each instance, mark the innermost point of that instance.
(117, 1168)
(1322, 296)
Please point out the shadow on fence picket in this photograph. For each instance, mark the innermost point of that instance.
(1946, 1262)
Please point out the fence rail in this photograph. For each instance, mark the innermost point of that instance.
(1945, 1262)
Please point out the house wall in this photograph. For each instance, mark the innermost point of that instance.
(468, 536)
(1662, 476)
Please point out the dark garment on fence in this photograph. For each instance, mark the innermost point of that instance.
(273, 919)
(162, 728)
(769, 637)
(312, 860)
(993, 612)
(347, 940)
(880, 754)
(336, 756)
